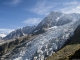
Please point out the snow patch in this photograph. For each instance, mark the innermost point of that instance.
(53, 27)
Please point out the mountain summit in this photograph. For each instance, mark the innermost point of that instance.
(55, 19)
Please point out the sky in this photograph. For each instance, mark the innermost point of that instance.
(16, 14)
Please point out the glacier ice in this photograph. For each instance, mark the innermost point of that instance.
(47, 43)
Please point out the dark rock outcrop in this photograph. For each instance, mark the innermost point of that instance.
(9, 45)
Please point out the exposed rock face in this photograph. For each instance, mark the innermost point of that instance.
(8, 45)
(77, 31)
(28, 29)
(14, 34)
(0, 38)
(47, 22)
(20, 32)
(76, 36)
(76, 40)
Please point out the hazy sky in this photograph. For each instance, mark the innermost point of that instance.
(18, 13)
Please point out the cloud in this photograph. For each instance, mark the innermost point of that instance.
(32, 21)
(6, 31)
(71, 7)
(2, 34)
(70, 3)
(13, 2)
(71, 10)
(43, 7)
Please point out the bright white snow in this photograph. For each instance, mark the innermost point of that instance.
(2, 35)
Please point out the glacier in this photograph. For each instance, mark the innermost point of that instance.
(50, 41)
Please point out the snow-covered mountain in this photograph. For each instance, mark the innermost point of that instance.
(19, 32)
(2, 35)
(59, 28)
(55, 19)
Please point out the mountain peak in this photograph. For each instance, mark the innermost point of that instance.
(54, 13)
